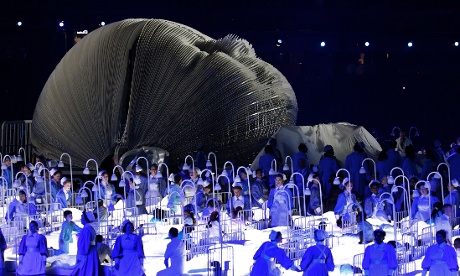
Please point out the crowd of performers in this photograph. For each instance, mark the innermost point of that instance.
(399, 175)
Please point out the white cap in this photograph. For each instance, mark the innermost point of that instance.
(64, 180)
(53, 171)
(206, 183)
(310, 177)
(237, 185)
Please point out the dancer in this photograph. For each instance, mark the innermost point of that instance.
(266, 255)
(345, 200)
(318, 259)
(33, 252)
(128, 252)
(379, 258)
(175, 252)
(440, 258)
(68, 226)
(87, 258)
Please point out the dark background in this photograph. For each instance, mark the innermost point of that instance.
(396, 85)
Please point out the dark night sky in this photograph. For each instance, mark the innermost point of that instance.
(330, 84)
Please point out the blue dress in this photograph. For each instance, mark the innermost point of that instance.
(87, 258)
(440, 259)
(130, 250)
(317, 261)
(34, 250)
(380, 259)
(265, 258)
(353, 164)
(328, 166)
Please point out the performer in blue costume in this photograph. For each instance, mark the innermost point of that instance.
(55, 183)
(265, 161)
(379, 258)
(175, 253)
(353, 164)
(300, 155)
(20, 209)
(65, 237)
(345, 200)
(328, 166)
(421, 204)
(318, 259)
(266, 255)
(32, 252)
(440, 258)
(128, 252)
(64, 196)
(280, 203)
(238, 201)
(87, 258)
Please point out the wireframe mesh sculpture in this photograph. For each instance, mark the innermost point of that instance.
(142, 82)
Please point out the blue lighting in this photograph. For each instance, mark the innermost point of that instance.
(410, 44)
(61, 24)
(323, 43)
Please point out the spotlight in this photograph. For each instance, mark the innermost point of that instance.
(19, 23)
(455, 43)
(61, 24)
(410, 44)
(280, 41)
(323, 43)
(366, 44)
(102, 23)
